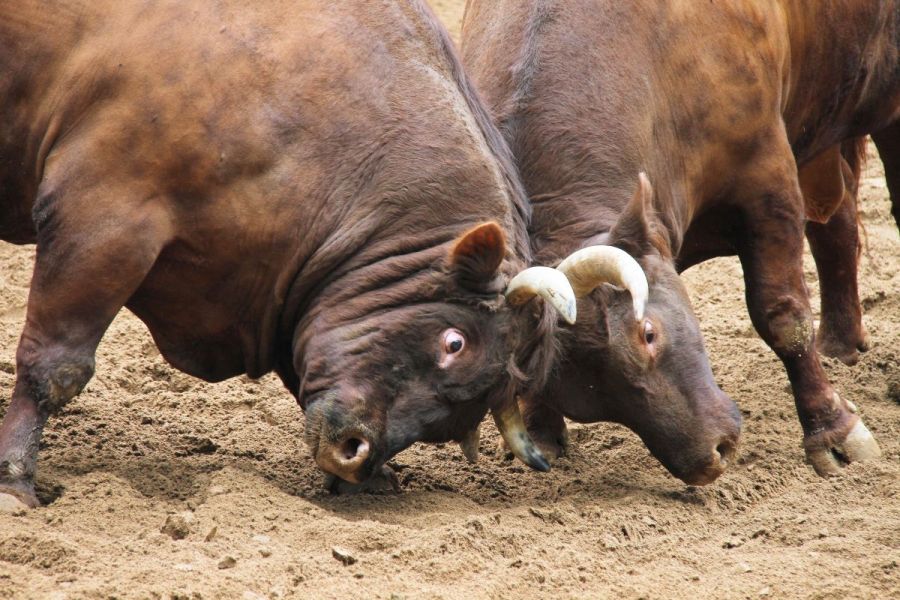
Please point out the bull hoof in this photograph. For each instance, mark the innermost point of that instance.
(829, 459)
(17, 497)
(844, 347)
(383, 481)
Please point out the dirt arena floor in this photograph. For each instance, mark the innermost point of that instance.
(158, 485)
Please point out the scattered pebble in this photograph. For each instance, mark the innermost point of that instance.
(745, 568)
(265, 552)
(342, 555)
(178, 526)
(227, 563)
(766, 591)
(211, 535)
(609, 542)
(733, 543)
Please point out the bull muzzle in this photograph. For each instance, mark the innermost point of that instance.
(347, 455)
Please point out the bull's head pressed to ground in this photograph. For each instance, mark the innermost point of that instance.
(380, 372)
(636, 355)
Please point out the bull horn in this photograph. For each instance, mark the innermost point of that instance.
(469, 445)
(548, 283)
(512, 428)
(589, 267)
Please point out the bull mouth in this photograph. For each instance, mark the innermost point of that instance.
(704, 477)
(712, 469)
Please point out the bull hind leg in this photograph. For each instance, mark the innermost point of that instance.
(771, 252)
(835, 247)
(93, 252)
(888, 143)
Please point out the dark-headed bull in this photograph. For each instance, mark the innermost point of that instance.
(309, 188)
(726, 105)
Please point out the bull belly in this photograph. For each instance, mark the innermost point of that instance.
(193, 337)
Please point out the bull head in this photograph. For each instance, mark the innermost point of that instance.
(640, 361)
(424, 360)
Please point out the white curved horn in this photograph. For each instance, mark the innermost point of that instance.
(511, 426)
(550, 284)
(469, 444)
(589, 267)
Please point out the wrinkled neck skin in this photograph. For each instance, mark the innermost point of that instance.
(372, 279)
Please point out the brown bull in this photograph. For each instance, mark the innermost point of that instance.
(729, 107)
(304, 187)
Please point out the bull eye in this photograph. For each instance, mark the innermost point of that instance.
(649, 334)
(452, 343)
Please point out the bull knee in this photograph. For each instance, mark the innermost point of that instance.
(790, 327)
(53, 383)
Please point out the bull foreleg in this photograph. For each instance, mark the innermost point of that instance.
(835, 248)
(91, 257)
(771, 252)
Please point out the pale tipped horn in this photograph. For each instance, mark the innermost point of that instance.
(550, 284)
(469, 445)
(589, 267)
(512, 428)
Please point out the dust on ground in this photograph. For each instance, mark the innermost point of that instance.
(160, 485)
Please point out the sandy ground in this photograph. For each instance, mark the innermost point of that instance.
(159, 485)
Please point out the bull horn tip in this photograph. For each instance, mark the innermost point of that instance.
(568, 310)
(469, 445)
(539, 463)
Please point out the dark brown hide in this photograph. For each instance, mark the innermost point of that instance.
(721, 103)
(268, 185)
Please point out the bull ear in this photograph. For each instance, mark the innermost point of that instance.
(477, 254)
(638, 232)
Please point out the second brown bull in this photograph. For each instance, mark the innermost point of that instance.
(729, 107)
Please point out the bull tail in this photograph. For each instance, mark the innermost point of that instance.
(853, 152)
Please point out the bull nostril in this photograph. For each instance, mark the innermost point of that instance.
(354, 449)
(725, 451)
